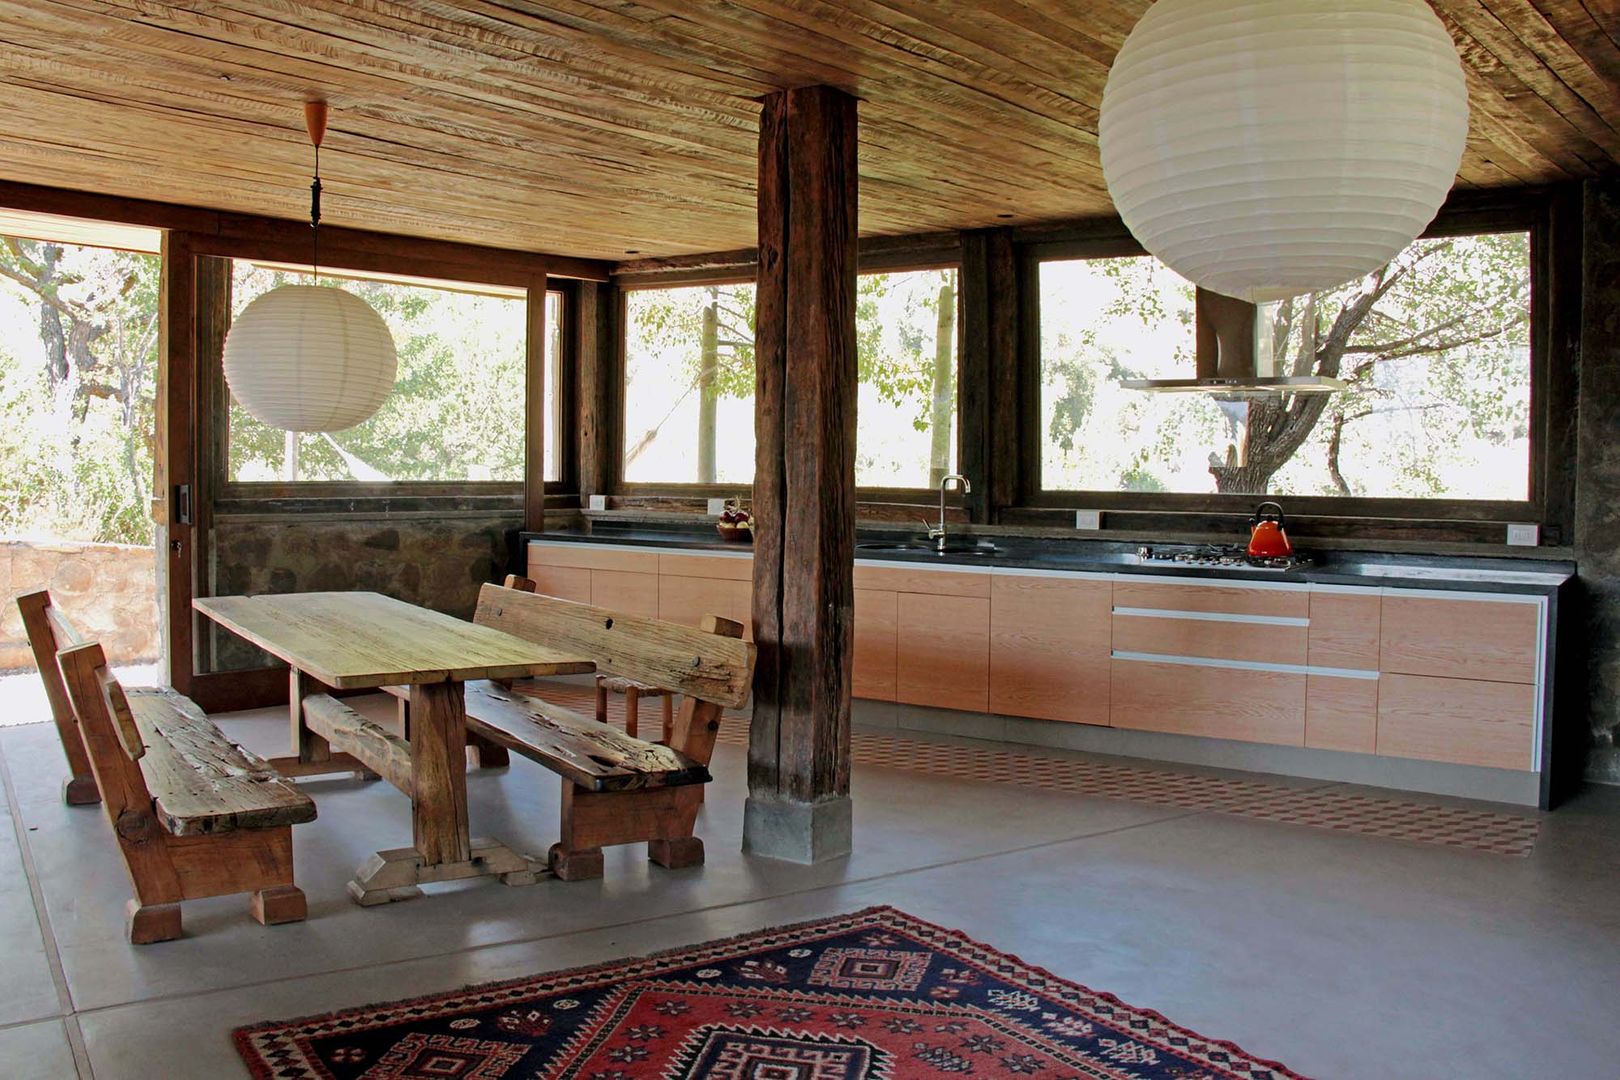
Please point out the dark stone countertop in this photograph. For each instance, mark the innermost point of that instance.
(1536, 577)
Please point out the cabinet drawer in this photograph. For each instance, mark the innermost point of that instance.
(1458, 720)
(1175, 596)
(928, 581)
(563, 582)
(1213, 639)
(1460, 639)
(1222, 703)
(1341, 714)
(1344, 630)
(876, 620)
(726, 567)
(1049, 646)
(943, 652)
(594, 557)
(631, 594)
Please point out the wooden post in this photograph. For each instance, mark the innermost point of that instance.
(804, 480)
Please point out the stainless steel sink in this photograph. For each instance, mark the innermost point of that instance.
(924, 546)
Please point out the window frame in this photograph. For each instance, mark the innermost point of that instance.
(873, 263)
(448, 496)
(1551, 381)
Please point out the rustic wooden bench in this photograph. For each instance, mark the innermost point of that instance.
(617, 789)
(194, 814)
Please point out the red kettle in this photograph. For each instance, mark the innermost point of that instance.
(1267, 539)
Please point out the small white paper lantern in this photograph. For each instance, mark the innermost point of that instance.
(310, 358)
(1268, 148)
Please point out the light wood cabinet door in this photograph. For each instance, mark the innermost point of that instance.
(1466, 721)
(877, 619)
(1345, 629)
(943, 652)
(1049, 648)
(742, 605)
(686, 600)
(630, 593)
(1341, 713)
(563, 582)
(1222, 703)
(1494, 640)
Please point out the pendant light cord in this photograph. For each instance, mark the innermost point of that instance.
(315, 216)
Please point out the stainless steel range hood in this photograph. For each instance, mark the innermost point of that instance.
(1235, 356)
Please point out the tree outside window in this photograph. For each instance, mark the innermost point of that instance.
(689, 382)
(455, 412)
(1435, 347)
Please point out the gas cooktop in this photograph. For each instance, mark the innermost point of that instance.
(1220, 556)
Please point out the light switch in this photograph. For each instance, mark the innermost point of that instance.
(1522, 534)
(1088, 519)
(717, 507)
(597, 502)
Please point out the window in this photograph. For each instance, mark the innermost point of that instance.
(552, 393)
(689, 382)
(456, 411)
(1435, 347)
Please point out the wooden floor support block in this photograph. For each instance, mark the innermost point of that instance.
(393, 875)
(678, 853)
(151, 923)
(282, 904)
(585, 864)
(484, 754)
(80, 791)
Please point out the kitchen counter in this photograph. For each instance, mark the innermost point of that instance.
(1537, 577)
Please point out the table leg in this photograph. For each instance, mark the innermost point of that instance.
(306, 745)
(444, 849)
(439, 771)
(311, 754)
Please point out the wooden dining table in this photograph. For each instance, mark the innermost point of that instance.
(364, 640)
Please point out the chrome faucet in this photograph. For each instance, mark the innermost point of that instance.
(937, 535)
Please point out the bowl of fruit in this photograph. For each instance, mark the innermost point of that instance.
(735, 524)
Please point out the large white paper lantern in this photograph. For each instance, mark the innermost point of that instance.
(1267, 148)
(310, 358)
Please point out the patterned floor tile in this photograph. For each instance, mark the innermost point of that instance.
(1327, 807)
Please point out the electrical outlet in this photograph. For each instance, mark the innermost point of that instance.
(1521, 534)
(1090, 520)
(717, 507)
(597, 502)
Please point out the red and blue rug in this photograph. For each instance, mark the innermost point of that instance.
(877, 994)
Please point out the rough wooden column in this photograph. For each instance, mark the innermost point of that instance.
(1597, 510)
(804, 480)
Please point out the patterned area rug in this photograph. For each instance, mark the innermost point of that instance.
(877, 995)
(1327, 806)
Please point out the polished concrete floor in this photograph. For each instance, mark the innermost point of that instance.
(1339, 955)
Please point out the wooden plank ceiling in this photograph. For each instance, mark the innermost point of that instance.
(604, 127)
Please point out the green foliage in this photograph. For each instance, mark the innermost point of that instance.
(1434, 348)
(77, 391)
(456, 410)
(895, 330)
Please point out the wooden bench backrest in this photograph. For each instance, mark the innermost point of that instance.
(712, 665)
(50, 632)
(108, 728)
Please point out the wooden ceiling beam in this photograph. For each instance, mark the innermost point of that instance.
(215, 232)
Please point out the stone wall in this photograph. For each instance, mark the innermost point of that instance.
(437, 562)
(108, 590)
